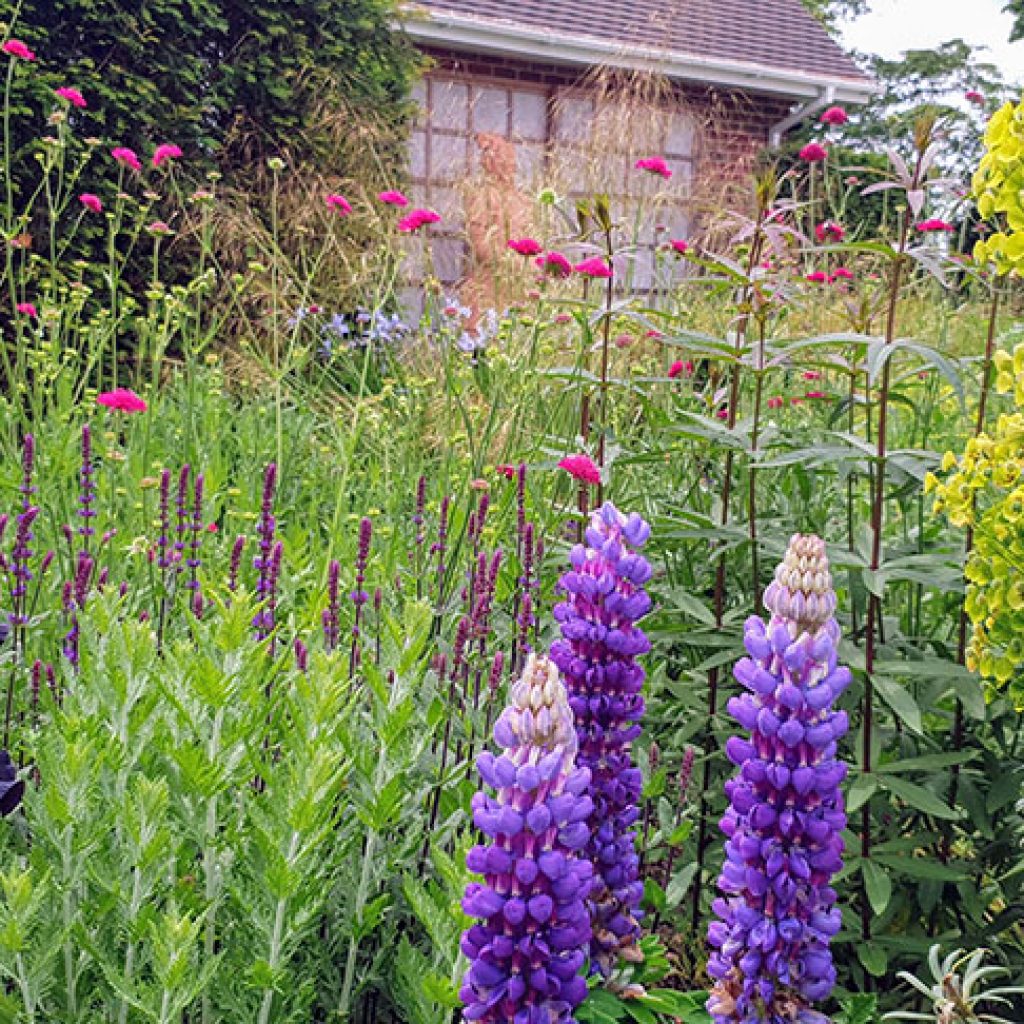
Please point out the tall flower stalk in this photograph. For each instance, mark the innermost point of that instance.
(529, 943)
(597, 654)
(771, 959)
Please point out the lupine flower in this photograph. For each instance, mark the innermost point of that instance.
(525, 246)
(973, 96)
(126, 157)
(554, 263)
(529, 943)
(771, 959)
(164, 152)
(71, 95)
(934, 224)
(417, 219)
(596, 266)
(582, 468)
(604, 599)
(11, 787)
(680, 245)
(91, 202)
(829, 230)
(392, 197)
(28, 309)
(813, 153)
(834, 116)
(122, 399)
(16, 48)
(338, 203)
(775, 402)
(655, 165)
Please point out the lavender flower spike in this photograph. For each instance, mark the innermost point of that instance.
(530, 942)
(771, 959)
(601, 641)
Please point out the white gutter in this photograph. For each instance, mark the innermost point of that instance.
(777, 130)
(478, 35)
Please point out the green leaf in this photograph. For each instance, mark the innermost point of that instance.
(873, 957)
(919, 798)
(900, 702)
(878, 885)
(858, 1009)
(923, 868)
(927, 762)
(862, 789)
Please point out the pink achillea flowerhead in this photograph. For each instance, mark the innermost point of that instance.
(680, 245)
(71, 95)
(722, 414)
(16, 48)
(835, 116)
(28, 309)
(655, 165)
(91, 202)
(829, 231)
(817, 277)
(842, 273)
(681, 368)
(126, 157)
(159, 227)
(815, 394)
(122, 399)
(811, 375)
(593, 267)
(934, 224)
(973, 96)
(164, 152)
(418, 219)
(392, 197)
(813, 153)
(554, 263)
(338, 203)
(582, 468)
(775, 402)
(525, 246)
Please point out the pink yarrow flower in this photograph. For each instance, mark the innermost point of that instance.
(554, 263)
(829, 231)
(164, 152)
(842, 274)
(775, 402)
(813, 153)
(593, 267)
(973, 96)
(122, 399)
(680, 245)
(27, 309)
(91, 202)
(655, 165)
(581, 467)
(525, 246)
(681, 368)
(418, 219)
(815, 394)
(817, 277)
(834, 116)
(392, 197)
(16, 48)
(126, 157)
(338, 203)
(812, 375)
(934, 224)
(71, 95)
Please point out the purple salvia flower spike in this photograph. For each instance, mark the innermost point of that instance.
(236, 562)
(87, 495)
(600, 642)
(529, 943)
(770, 959)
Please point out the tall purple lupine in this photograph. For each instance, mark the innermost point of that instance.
(530, 942)
(601, 641)
(771, 959)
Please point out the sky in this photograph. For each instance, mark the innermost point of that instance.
(892, 26)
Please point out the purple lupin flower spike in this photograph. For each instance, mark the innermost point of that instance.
(771, 959)
(87, 494)
(529, 944)
(601, 641)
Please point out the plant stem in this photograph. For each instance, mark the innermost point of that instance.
(277, 935)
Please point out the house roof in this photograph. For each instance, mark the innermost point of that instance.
(775, 45)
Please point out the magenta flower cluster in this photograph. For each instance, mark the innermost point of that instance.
(771, 958)
(530, 941)
(604, 599)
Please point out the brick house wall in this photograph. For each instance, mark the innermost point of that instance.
(575, 134)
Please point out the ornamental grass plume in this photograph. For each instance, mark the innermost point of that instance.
(529, 944)
(604, 599)
(771, 959)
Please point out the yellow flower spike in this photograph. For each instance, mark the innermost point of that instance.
(948, 462)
